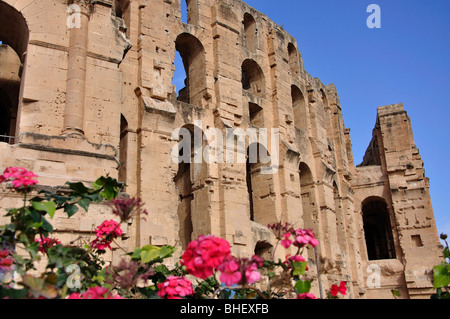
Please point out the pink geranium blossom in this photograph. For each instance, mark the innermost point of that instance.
(106, 233)
(6, 262)
(230, 271)
(204, 255)
(45, 243)
(19, 177)
(335, 289)
(175, 288)
(286, 242)
(306, 295)
(95, 293)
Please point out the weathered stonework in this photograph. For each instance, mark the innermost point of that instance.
(99, 99)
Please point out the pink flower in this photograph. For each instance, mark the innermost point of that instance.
(252, 274)
(286, 242)
(305, 237)
(175, 288)
(230, 272)
(95, 293)
(306, 295)
(338, 289)
(106, 233)
(6, 263)
(47, 243)
(204, 255)
(4, 253)
(19, 177)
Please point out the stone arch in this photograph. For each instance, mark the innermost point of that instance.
(308, 196)
(189, 182)
(253, 79)
(250, 32)
(377, 228)
(193, 56)
(123, 149)
(260, 186)
(299, 108)
(14, 34)
(293, 58)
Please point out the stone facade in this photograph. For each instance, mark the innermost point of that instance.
(87, 90)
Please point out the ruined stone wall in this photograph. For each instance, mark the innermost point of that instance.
(99, 100)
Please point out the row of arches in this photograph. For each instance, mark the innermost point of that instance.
(191, 175)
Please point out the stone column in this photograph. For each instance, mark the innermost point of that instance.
(76, 74)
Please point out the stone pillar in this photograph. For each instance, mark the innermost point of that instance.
(76, 74)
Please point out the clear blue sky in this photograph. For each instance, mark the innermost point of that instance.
(406, 61)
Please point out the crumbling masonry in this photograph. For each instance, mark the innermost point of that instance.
(86, 91)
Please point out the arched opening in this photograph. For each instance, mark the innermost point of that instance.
(259, 185)
(252, 78)
(293, 60)
(256, 114)
(250, 32)
(377, 229)
(14, 35)
(299, 108)
(308, 198)
(121, 9)
(192, 172)
(192, 56)
(123, 149)
(264, 250)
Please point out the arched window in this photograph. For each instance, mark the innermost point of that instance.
(293, 60)
(253, 78)
(192, 171)
(250, 32)
(259, 185)
(192, 54)
(299, 108)
(123, 148)
(377, 229)
(14, 36)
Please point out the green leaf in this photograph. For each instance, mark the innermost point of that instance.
(70, 209)
(48, 207)
(166, 251)
(149, 255)
(78, 187)
(441, 276)
(299, 268)
(302, 286)
(84, 203)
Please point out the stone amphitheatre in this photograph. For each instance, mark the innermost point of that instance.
(86, 91)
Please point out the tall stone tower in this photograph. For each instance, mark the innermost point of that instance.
(86, 89)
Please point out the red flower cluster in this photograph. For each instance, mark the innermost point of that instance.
(204, 255)
(6, 261)
(335, 289)
(46, 243)
(94, 293)
(106, 233)
(19, 177)
(175, 288)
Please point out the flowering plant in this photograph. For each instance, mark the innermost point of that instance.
(206, 269)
